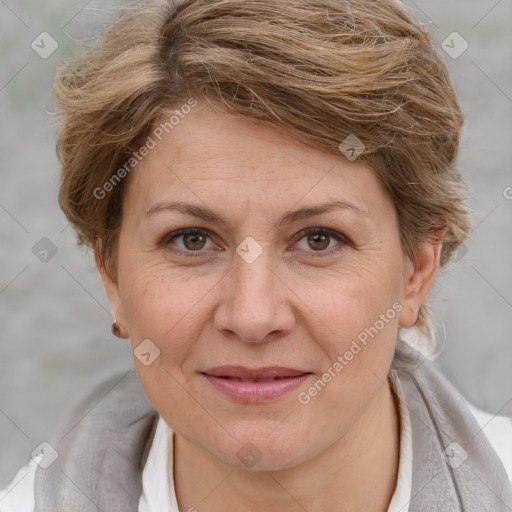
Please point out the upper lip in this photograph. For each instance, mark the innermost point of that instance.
(253, 373)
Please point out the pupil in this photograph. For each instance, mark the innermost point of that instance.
(194, 241)
(318, 241)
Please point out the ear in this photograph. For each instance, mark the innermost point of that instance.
(112, 289)
(420, 275)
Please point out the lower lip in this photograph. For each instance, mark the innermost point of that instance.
(256, 392)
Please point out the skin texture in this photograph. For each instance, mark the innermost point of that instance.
(299, 304)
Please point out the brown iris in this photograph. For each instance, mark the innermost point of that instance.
(319, 241)
(194, 241)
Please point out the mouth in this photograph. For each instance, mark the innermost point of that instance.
(247, 385)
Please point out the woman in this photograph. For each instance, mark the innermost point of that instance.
(269, 190)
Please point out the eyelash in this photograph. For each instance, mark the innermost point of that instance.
(165, 242)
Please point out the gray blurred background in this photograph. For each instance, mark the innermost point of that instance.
(55, 319)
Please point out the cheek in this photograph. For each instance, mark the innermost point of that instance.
(353, 299)
(360, 316)
(160, 308)
(360, 311)
(161, 305)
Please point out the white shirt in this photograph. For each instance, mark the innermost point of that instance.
(158, 492)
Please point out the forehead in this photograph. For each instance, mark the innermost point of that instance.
(211, 154)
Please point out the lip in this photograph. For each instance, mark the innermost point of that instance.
(256, 385)
(242, 372)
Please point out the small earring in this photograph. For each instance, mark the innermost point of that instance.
(116, 330)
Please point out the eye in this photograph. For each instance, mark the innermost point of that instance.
(188, 240)
(321, 240)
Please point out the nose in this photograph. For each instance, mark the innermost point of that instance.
(255, 304)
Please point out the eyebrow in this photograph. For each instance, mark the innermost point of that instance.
(208, 215)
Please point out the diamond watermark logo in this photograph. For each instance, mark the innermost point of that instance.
(44, 250)
(455, 455)
(44, 455)
(249, 250)
(249, 455)
(454, 45)
(147, 352)
(44, 45)
(352, 147)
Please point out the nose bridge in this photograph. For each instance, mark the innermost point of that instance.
(253, 304)
(254, 279)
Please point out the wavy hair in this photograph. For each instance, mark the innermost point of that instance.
(320, 69)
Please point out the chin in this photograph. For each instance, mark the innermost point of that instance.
(252, 451)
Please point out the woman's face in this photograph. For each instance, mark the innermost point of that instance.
(292, 260)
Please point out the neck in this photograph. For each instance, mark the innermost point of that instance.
(358, 472)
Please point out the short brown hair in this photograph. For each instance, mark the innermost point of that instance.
(323, 70)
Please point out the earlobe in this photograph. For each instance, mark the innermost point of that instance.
(118, 331)
(420, 276)
(119, 325)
